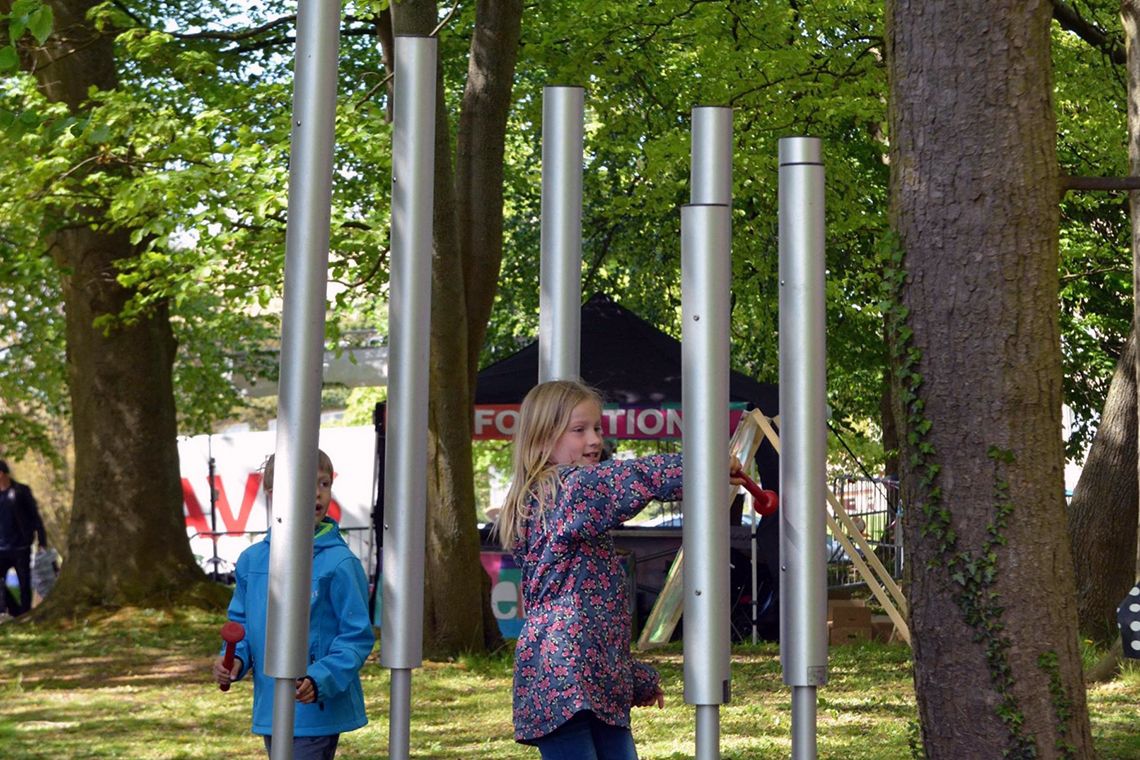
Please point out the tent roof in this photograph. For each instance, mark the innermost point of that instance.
(627, 359)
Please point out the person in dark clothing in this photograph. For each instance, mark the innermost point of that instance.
(20, 524)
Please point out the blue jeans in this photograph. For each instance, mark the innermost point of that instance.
(585, 737)
(310, 747)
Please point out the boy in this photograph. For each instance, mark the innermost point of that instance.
(329, 696)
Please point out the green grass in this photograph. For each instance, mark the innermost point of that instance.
(136, 684)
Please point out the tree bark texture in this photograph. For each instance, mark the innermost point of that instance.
(977, 369)
(126, 539)
(468, 241)
(1103, 510)
(1130, 20)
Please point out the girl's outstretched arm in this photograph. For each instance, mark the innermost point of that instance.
(594, 499)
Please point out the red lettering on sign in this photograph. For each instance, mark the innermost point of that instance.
(194, 517)
(231, 525)
(234, 526)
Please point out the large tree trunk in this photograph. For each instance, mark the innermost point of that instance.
(978, 380)
(1103, 510)
(126, 540)
(468, 251)
(1130, 19)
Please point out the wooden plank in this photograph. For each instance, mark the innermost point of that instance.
(897, 607)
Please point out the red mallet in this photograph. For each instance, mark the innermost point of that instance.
(232, 633)
(765, 501)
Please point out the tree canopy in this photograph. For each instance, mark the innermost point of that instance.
(197, 134)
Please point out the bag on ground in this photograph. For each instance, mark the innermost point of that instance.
(45, 569)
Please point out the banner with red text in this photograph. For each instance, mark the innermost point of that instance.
(240, 516)
(498, 421)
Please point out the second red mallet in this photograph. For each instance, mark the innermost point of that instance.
(765, 501)
(232, 633)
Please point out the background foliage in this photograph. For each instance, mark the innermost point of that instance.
(193, 154)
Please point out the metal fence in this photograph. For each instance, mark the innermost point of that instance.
(873, 505)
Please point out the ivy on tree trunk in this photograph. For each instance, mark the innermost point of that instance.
(977, 367)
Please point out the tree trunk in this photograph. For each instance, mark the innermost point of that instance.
(126, 539)
(468, 250)
(1103, 510)
(1130, 20)
(976, 349)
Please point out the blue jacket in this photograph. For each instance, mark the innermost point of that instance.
(340, 636)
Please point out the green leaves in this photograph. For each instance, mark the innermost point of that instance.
(30, 16)
(784, 71)
(191, 158)
(9, 59)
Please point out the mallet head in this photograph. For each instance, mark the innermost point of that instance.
(233, 632)
(766, 502)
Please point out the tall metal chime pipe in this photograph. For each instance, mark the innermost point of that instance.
(803, 383)
(706, 267)
(560, 278)
(302, 353)
(711, 156)
(409, 319)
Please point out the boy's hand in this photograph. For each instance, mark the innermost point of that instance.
(657, 698)
(306, 690)
(226, 677)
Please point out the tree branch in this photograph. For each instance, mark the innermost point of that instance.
(1071, 20)
(254, 38)
(1099, 183)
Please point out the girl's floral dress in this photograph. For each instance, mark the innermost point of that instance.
(573, 651)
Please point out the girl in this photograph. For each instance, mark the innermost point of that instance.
(575, 679)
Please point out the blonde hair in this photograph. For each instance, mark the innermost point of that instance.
(543, 418)
(324, 464)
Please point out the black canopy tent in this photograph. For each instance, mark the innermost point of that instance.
(632, 363)
(622, 355)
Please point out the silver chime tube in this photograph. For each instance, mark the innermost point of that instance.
(710, 183)
(803, 580)
(409, 320)
(711, 156)
(302, 354)
(560, 278)
(706, 235)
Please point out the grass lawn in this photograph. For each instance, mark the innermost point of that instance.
(136, 684)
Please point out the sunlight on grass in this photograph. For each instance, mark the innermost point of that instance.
(136, 684)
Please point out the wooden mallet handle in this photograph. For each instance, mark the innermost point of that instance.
(232, 633)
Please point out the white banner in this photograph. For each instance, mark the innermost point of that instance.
(240, 515)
